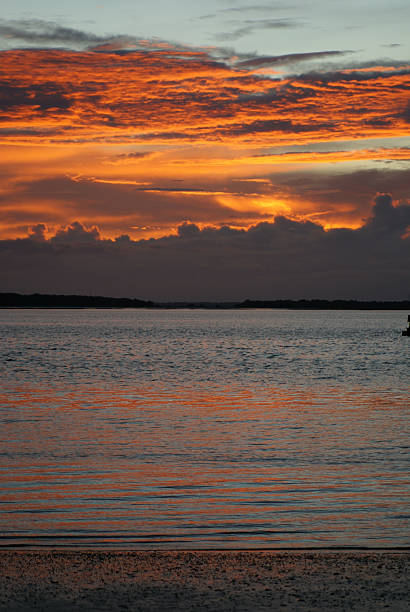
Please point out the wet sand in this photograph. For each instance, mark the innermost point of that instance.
(204, 580)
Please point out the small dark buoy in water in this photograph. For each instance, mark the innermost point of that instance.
(406, 332)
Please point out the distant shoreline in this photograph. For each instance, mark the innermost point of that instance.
(38, 300)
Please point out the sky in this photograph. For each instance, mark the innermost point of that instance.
(220, 150)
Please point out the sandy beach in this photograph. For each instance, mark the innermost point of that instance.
(204, 580)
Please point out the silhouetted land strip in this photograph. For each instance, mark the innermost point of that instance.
(38, 300)
(327, 304)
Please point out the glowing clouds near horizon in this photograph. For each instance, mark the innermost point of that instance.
(284, 259)
(138, 142)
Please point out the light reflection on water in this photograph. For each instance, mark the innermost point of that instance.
(210, 452)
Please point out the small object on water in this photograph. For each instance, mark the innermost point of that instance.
(406, 332)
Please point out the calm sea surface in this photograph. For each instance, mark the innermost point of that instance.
(204, 429)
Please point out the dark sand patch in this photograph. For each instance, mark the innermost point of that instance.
(218, 581)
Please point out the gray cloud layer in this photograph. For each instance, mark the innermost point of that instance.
(284, 259)
(39, 32)
(240, 10)
(45, 33)
(248, 26)
(290, 58)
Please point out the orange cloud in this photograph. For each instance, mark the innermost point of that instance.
(142, 140)
(161, 96)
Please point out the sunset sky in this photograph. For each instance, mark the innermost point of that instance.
(218, 150)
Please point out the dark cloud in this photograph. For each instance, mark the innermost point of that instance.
(135, 155)
(30, 132)
(290, 58)
(76, 234)
(248, 26)
(343, 195)
(38, 232)
(273, 125)
(283, 259)
(189, 230)
(388, 219)
(41, 33)
(380, 122)
(38, 31)
(357, 73)
(257, 8)
(406, 113)
(42, 97)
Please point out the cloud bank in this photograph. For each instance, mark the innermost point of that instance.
(270, 260)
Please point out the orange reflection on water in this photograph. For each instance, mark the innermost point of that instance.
(205, 467)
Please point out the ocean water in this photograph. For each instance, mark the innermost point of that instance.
(204, 429)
